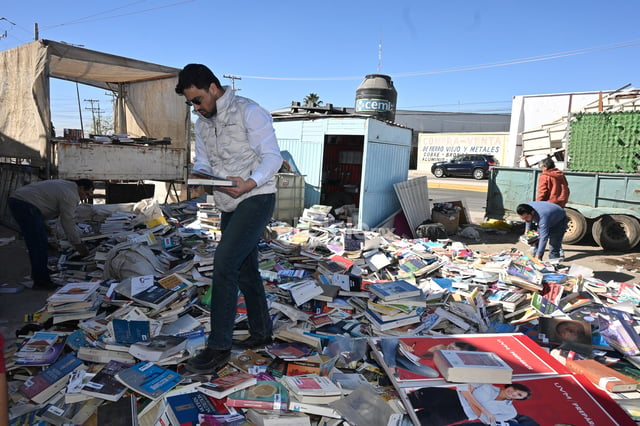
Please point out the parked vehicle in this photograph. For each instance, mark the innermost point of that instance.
(607, 204)
(476, 165)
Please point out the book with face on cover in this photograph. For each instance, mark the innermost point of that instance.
(521, 353)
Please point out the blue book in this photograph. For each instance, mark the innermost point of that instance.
(394, 290)
(51, 380)
(131, 331)
(149, 379)
(184, 409)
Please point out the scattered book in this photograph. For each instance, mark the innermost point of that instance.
(248, 360)
(51, 380)
(472, 367)
(149, 379)
(270, 395)
(184, 409)
(42, 348)
(121, 412)
(158, 348)
(394, 290)
(602, 375)
(103, 356)
(104, 384)
(271, 418)
(312, 388)
(227, 384)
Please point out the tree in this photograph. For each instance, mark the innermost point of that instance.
(312, 99)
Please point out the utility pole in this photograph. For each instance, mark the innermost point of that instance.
(233, 80)
(95, 110)
(36, 32)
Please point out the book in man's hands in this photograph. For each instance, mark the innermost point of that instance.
(472, 367)
(207, 179)
(227, 384)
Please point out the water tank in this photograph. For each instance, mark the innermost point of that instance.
(376, 96)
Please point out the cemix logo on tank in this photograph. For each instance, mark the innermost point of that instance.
(379, 105)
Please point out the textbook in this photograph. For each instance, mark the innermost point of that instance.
(472, 367)
(225, 385)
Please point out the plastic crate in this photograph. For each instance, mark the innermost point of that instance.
(289, 198)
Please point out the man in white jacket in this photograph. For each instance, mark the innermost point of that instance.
(235, 139)
(32, 204)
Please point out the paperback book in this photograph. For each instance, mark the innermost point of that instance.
(51, 380)
(394, 290)
(270, 395)
(104, 384)
(149, 379)
(227, 384)
(42, 348)
(471, 367)
(312, 388)
(158, 348)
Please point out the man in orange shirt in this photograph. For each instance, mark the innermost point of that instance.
(552, 184)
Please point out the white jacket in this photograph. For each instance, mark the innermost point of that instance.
(238, 141)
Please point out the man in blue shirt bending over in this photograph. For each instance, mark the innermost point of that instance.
(552, 223)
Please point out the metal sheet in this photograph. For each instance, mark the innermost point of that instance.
(120, 162)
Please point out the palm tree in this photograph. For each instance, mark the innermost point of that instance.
(312, 99)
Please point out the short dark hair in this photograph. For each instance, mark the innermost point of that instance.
(85, 183)
(196, 75)
(524, 209)
(548, 163)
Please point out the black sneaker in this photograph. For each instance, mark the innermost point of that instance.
(208, 361)
(253, 342)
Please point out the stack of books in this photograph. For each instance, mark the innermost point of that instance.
(74, 301)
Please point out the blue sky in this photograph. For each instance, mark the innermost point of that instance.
(458, 55)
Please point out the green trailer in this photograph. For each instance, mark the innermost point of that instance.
(607, 204)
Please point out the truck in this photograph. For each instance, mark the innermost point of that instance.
(595, 139)
(605, 204)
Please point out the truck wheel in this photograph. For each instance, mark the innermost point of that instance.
(616, 232)
(478, 174)
(576, 228)
(439, 172)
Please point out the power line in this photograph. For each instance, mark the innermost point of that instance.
(233, 79)
(519, 61)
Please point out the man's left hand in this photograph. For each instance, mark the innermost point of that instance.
(242, 186)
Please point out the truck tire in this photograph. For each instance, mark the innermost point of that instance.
(576, 227)
(616, 232)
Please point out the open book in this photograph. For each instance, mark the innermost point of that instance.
(209, 180)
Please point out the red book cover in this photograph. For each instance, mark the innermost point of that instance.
(564, 399)
(521, 353)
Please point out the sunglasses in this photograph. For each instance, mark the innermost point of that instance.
(195, 101)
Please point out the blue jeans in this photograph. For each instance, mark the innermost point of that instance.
(235, 266)
(556, 233)
(34, 231)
